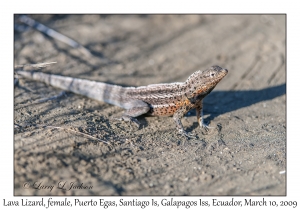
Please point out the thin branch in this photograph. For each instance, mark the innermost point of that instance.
(54, 34)
(67, 129)
(78, 132)
(37, 66)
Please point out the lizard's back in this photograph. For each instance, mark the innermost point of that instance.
(163, 99)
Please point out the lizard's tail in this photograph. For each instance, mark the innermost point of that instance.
(100, 91)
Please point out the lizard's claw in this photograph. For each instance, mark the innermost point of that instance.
(135, 121)
(186, 134)
(205, 126)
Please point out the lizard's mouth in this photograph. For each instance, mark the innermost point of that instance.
(224, 72)
(221, 72)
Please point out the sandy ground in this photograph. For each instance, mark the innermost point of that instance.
(245, 152)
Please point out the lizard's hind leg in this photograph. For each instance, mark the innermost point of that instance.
(130, 114)
(134, 109)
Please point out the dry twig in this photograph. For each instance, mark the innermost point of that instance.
(67, 129)
(54, 34)
(78, 132)
(37, 66)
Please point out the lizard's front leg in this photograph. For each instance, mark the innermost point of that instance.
(199, 113)
(177, 118)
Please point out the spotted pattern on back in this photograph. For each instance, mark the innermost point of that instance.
(167, 99)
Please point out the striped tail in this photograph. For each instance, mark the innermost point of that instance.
(100, 91)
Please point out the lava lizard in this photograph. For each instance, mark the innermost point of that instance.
(158, 99)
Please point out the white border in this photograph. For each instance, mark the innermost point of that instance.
(55, 6)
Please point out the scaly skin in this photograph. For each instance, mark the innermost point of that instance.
(178, 98)
(160, 99)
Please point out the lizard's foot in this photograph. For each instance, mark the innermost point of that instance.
(205, 126)
(186, 134)
(129, 119)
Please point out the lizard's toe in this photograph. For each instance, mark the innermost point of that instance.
(206, 127)
(135, 121)
(187, 134)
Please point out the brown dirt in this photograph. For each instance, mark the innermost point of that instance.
(243, 155)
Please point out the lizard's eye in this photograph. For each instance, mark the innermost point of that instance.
(212, 74)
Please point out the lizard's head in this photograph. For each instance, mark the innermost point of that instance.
(201, 83)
